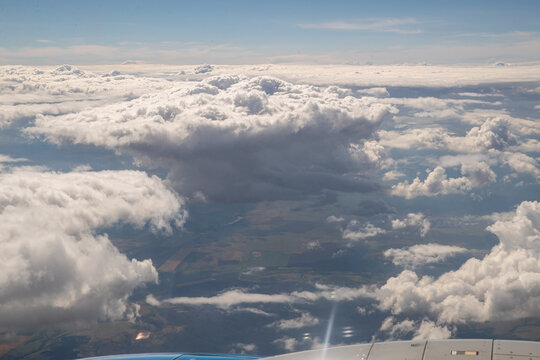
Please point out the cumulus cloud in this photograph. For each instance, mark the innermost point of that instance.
(479, 173)
(236, 139)
(504, 285)
(394, 328)
(26, 91)
(427, 138)
(414, 220)
(494, 134)
(54, 268)
(355, 231)
(293, 344)
(376, 91)
(522, 163)
(438, 183)
(226, 299)
(287, 343)
(341, 75)
(495, 142)
(429, 330)
(203, 69)
(392, 175)
(243, 348)
(419, 330)
(417, 255)
(304, 320)
(359, 228)
(8, 161)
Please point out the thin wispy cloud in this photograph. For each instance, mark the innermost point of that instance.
(400, 26)
(510, 34)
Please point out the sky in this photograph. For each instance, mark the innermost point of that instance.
(239, 32)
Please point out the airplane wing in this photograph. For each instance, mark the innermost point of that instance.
(393, 350)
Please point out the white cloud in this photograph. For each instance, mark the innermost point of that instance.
(518, 126)
(420, 330)
(475, 174)
(355, 231)
(287, 343)
(392, 175)
(250, 310)
(478, 173)
(26, 91)
(427, 138)
(230, 298)
(493, 134)
(522, 163)
(203, 69)
(291, 344)
(417, 255)
(305, 320)
(435, 183)
(396, 329)
(243, 348)
(54, 269)
(428, 330)
(376, 91)
(504, 285)
(236, 139)
(415, 220)
(253, 270)
(334, 219)
(9, 159)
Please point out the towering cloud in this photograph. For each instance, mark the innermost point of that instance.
(26, 92)
(54, 267)
(236, 139)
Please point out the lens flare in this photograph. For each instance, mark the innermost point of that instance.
(329, 329)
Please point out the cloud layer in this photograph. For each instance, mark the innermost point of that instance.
(417, 255)
(26, 92)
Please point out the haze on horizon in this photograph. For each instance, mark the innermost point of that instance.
(243, 32)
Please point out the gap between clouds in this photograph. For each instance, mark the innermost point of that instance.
(503, 285)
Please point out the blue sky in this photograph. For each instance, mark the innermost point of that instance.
(50, 32)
